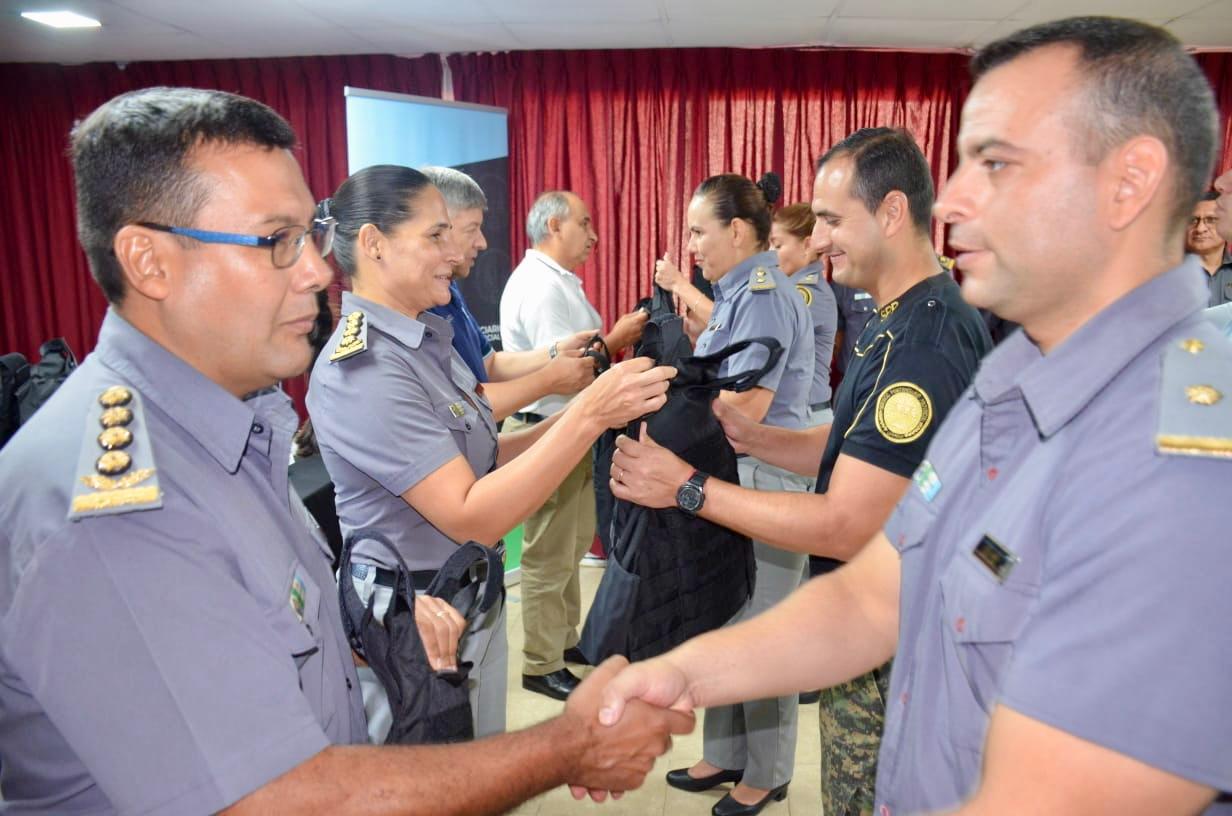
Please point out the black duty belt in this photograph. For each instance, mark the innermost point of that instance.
(529, 417)
(385, 577)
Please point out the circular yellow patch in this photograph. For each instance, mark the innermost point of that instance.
(904, 412)
(805, 293)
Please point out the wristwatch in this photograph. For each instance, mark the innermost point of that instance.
(690, 496)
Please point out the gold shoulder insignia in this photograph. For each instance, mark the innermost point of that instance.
(904, 412)
(811, 277)
(805, 293)
(116, 461)
(354, 337)
(760, 280)
(1194, 417)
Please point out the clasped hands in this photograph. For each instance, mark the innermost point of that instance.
(628, 714)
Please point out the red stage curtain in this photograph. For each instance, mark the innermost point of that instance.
(47, 289)
(633, 132)
(1218, 68)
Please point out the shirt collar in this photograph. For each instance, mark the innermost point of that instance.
(1057, 386)
(737, 280)
(215, 418)
(551, 263)
(407, 330)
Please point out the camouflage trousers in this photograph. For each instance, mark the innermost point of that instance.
(851, 718)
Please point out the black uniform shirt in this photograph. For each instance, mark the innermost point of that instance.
(908, 367)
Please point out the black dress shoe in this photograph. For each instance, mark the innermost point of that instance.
(680, 778)
(556, 685)
(727, 806)
(574, 655)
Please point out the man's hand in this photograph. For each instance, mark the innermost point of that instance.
(627, 331)
(627, 391)
(741, 431)
(667, 274)
(622, 750)
(440, 628)
(575, 342)
(569, 372)
(646, 473)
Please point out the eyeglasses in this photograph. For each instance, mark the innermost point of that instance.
(286, 244)
(1209, 221)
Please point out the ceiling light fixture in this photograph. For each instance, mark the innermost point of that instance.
(61, 19)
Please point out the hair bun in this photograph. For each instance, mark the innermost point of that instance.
(771, 187)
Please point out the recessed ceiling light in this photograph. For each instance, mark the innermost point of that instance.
(61, 19)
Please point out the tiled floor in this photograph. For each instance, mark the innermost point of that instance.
(655, 797)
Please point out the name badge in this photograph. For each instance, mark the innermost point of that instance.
(999, 560)
(862, 296)
(456, 409)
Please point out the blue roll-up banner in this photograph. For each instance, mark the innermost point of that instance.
(415, 131)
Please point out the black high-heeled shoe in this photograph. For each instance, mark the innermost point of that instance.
(681, 780)
(728, 806)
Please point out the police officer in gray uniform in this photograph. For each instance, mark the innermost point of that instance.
(169, 639)
(1053, 622)
(405, 430)
(789, 236)
(729, 225)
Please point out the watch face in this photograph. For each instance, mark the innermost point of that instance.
(689, 497)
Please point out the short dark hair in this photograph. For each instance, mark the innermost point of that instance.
(380, 195)
(1138, 80)
(130, 161)
(887, 159)
(733, 196)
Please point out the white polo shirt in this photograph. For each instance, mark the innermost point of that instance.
(542, 303)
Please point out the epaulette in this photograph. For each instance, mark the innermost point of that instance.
(115, 470)
(1195, 406)
(811, 278)
(760, 280)
(354, 337)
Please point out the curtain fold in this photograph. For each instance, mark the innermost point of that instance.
(633, 132)
(47, 289)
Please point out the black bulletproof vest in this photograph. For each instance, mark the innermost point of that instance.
(672, 576)
(428, 707)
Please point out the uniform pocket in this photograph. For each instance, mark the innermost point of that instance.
(983, 618)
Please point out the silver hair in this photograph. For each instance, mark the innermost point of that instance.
(461, 192)
(549, 205)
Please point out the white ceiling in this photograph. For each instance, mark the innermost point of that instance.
(199, 29)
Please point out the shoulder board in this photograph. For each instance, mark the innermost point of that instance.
(115, 470)
(811, 277)
(354, 337)
(760, 280)
(1195, 406)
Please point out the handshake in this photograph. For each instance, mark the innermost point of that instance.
(625, 715)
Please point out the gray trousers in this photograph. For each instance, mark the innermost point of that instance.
(760, 735)
(485, 644)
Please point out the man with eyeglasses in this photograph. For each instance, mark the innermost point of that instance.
(1202, 238)
(170, 640)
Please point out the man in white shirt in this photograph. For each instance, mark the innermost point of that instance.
(543, 301)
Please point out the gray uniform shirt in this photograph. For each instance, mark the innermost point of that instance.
(391, 415)
(819, 300)
(742, 311)
(1053, 561)
(171, 655)
(1220, 283)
